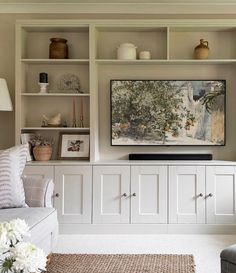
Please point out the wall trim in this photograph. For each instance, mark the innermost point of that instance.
(121, 8)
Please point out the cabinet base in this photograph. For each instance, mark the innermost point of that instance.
(146, 229)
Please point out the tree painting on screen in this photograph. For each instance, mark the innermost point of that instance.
(162, 112)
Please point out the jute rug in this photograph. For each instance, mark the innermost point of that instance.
(138, 263)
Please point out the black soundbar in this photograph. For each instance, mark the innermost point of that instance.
(170, 156)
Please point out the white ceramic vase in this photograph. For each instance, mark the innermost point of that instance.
(126, 51)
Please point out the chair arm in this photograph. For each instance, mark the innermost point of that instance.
(38, 191)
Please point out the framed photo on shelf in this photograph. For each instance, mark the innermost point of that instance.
(25, 138)
(73, 146)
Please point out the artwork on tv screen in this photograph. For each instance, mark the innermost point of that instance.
(168, 112)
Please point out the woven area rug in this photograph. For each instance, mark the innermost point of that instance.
(138, 263)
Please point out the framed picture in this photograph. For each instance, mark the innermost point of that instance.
(25, 138)
(73, 146)
(168, 112)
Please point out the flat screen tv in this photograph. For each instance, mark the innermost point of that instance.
(168, 112)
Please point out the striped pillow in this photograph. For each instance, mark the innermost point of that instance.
(12, 163)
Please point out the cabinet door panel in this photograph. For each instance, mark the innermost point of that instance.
(185, 202)
(109, 185)
(220, 184)
(74, 186)
(149, 183)
(39, 172)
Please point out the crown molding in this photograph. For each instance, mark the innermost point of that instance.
(120, 8)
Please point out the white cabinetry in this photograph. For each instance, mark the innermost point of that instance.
(143, 198)
(119, 198)
(149, 194)
(73, 185)
(220, 194)
(186, 194)
(111, 194)
(73, 190)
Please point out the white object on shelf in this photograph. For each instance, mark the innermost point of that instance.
(126, 51)
(144, 55)
(43, 87)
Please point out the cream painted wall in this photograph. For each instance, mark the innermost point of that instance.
(7, 67)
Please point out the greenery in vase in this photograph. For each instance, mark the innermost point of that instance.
(40, 140)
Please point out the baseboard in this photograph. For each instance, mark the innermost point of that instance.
(146, 229)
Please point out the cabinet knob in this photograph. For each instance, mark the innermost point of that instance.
(124, 194)
(56, 195)
(209, 195)
(200, 195)
(134, 194)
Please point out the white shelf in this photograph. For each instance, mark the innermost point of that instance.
(164, 62)
(55, 95)
(55, 61)
(77, 129)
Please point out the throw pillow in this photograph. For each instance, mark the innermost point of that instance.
(12, 163)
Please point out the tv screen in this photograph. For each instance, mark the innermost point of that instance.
(168, 112)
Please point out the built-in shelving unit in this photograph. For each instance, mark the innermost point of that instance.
(92, 56)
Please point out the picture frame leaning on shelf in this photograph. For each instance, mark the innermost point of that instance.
(73, 146)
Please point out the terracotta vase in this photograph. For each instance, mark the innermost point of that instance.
(58, 48)
(42, 153)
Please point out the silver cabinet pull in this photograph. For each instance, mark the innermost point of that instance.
(200, 195)
(124, 194)
(209, 195)
(134, 194)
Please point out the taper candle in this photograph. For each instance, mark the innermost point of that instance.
(81, 107)
(43, 77)
(74, 117)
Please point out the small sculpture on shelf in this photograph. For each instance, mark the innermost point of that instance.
(54, 121)
(69, 83)
(43, 82)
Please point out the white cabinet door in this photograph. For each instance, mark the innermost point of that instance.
(149, 194)
(220, 194)
(73, 184)
(111, 190)
(39, 171)
(187, 194)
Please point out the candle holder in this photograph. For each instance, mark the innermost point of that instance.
(43, 87)
(81, 122)
(74, 123)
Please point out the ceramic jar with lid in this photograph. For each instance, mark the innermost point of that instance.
(201, 51)
(126, 51)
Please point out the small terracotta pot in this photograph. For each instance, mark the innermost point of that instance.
(58, 48)
(42, 153)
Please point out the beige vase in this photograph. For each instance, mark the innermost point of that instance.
(42, 153)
